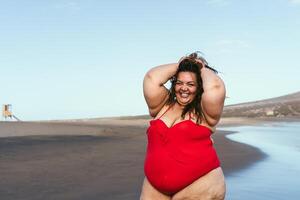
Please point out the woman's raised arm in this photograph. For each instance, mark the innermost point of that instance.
(213, 97)
(155, 93)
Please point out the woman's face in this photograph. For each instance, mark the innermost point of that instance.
(185, 87)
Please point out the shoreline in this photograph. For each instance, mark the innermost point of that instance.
(64, 160)
(251, 154)
(235, 156)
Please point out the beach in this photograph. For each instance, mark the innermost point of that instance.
(93, 159)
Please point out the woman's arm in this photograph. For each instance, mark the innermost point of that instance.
(155, 93)
(213, 96)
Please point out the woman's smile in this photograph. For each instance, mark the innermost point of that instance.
(185, 88)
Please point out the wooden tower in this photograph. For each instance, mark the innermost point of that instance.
(7, 112)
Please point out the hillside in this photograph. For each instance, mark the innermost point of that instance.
(287, 105)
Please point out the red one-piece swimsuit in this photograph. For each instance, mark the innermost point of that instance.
(177, 156)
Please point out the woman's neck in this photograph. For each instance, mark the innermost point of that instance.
(179, 106)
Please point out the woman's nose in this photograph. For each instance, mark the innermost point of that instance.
(184, 87)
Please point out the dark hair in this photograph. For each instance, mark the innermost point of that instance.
(190, 64)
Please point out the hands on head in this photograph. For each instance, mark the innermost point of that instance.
(193, 57)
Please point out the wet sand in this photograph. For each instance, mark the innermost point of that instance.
(89, 160)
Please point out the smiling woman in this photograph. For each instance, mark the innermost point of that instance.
(181, 161)
(185, 88)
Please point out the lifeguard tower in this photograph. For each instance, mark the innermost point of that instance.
(7, 112)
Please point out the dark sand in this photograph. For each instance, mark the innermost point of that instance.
(86, 161)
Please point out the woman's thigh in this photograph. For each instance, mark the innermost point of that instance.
(208, 187)
(150, 193)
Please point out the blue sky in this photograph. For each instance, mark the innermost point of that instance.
(63, 59)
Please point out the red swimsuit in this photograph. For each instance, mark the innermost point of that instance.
(179, 155)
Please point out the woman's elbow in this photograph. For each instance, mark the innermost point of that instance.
(148, 75)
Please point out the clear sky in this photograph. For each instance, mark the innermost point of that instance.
(62, 59)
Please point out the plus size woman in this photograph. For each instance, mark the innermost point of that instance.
(181, 162)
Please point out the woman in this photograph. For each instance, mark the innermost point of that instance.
(181, 162)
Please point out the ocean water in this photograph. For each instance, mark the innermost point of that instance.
(278, 176)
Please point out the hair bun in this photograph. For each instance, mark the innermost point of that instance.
(193, 55)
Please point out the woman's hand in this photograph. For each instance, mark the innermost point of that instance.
(200, 63)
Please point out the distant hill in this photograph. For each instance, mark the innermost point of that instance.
(287, 105)
(283, 106)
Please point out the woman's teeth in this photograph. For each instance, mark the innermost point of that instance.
(184, 95)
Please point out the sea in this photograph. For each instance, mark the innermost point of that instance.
(277, 177)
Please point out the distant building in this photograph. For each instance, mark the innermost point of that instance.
(270, 113)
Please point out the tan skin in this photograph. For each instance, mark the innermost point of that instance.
(212, 185)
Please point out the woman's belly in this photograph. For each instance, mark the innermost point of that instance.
(170, 170)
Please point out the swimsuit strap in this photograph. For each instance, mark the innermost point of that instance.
(190, 117)
(164, 112)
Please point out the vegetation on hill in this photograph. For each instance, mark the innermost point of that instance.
(283, 106)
